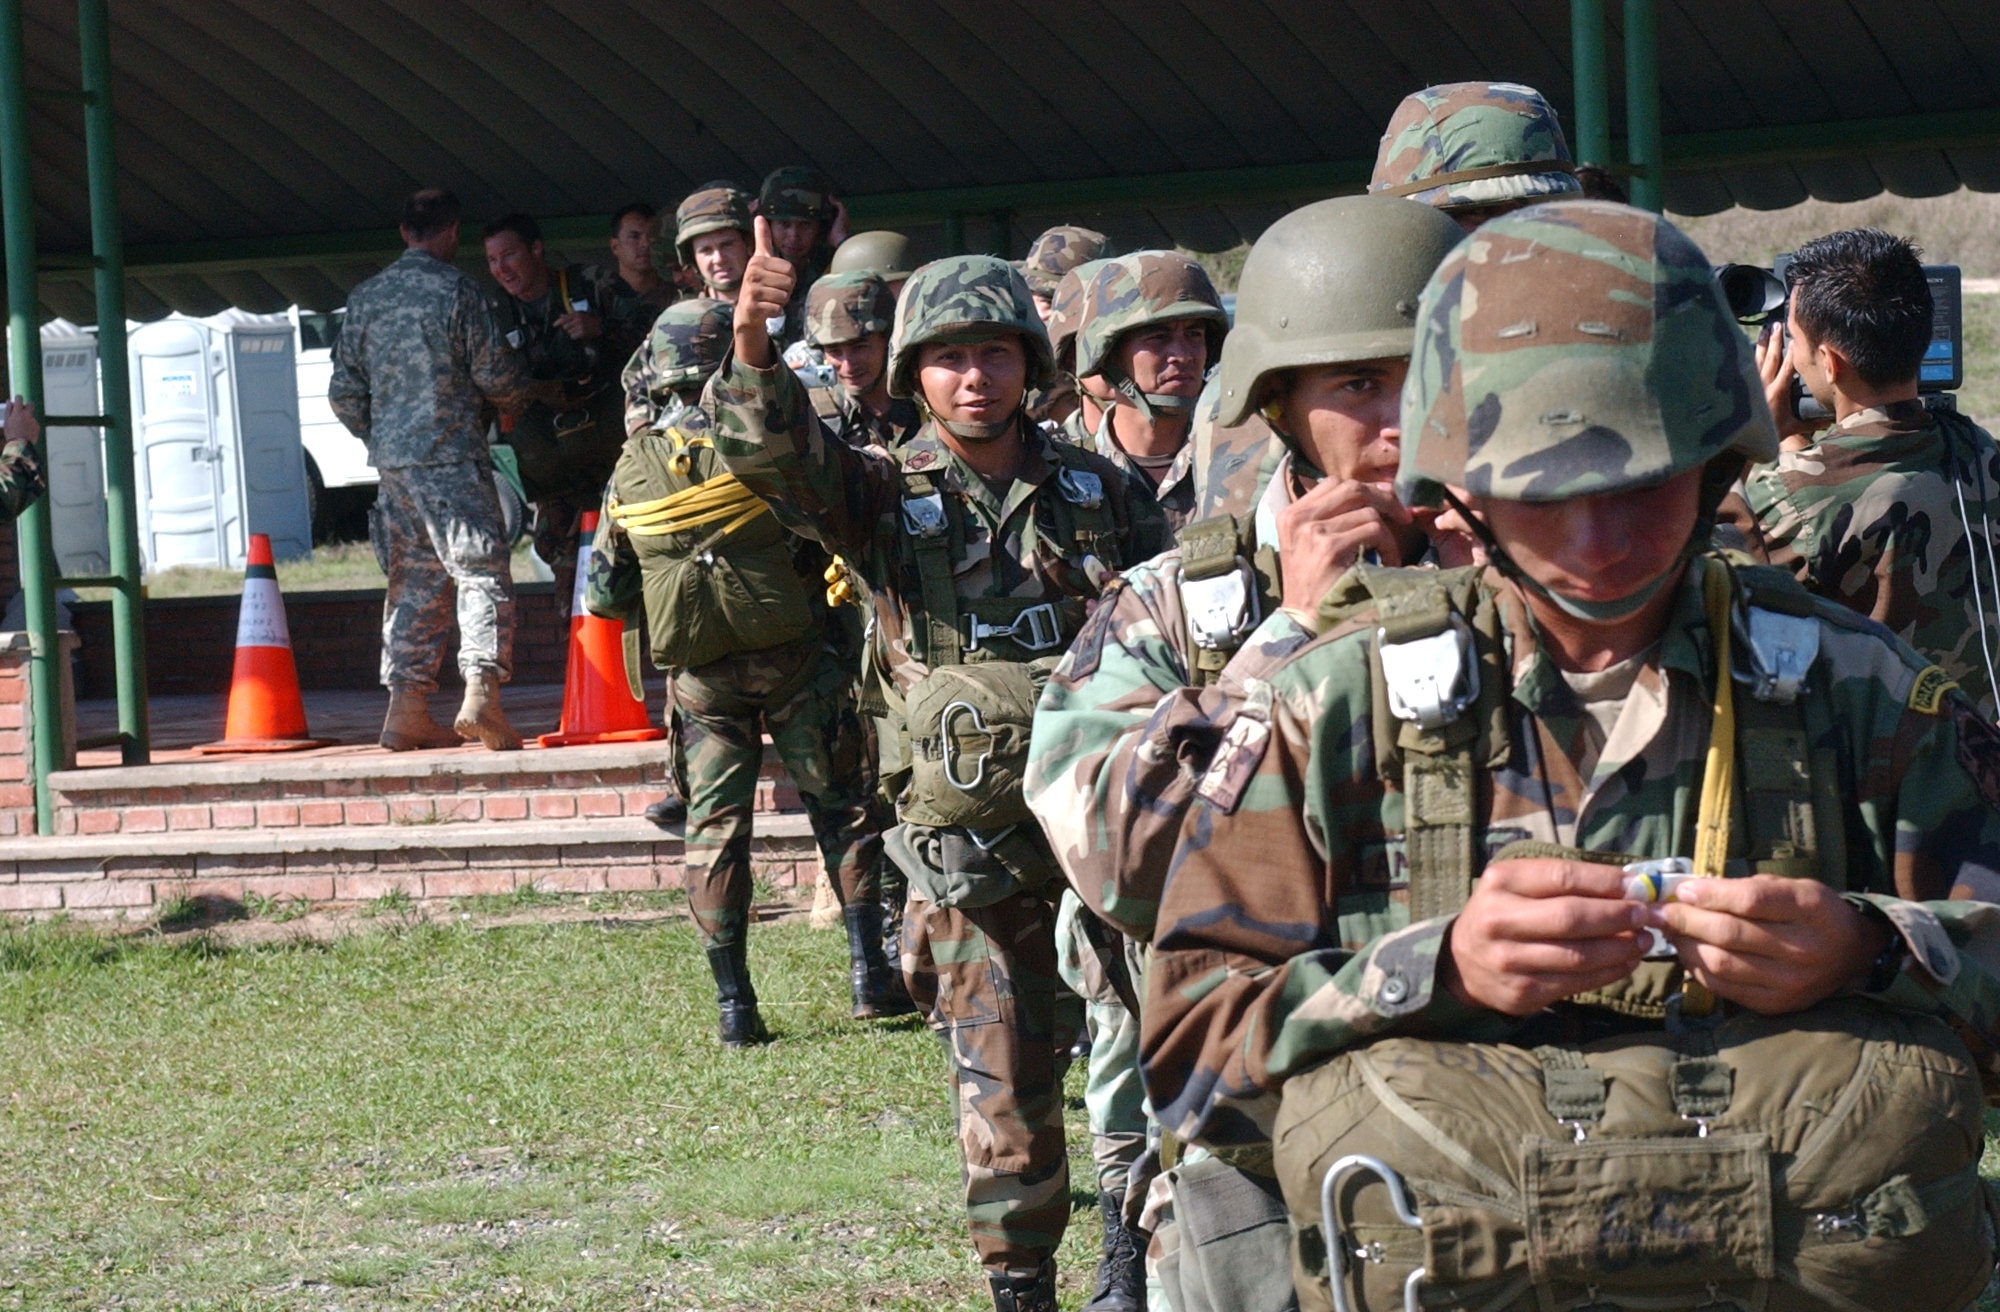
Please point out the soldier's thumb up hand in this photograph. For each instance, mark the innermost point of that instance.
(761, 236)
(767, 289)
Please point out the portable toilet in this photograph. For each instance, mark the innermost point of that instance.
(215, 420)
(78, 520)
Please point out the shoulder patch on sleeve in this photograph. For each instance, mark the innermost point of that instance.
(1242, 750)
(1087, 651)
(1927, 693)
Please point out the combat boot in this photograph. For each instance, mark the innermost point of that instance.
(668, 811)
(1035, 1293)
(741, 1026)
(878, 991)
(409, 726)
(1121, 1271)
(480, 718)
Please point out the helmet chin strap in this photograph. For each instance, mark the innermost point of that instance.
(1591, 612)
(966, 432)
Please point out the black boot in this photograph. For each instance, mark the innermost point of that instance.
(1035, 1293)
(878, 991)
(1121, 1272)
(741, 1026)
(668, 811)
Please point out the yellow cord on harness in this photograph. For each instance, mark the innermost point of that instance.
(839, 585)
(720, 498)
(1714, 819)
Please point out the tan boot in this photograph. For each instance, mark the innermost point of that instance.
(409, 726)
(480, 718)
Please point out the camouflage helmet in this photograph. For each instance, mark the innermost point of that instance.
(796, 192)
(1330, 283)
(717, 206)
(1132, 291)
(1056, 252)
(846, 307)
(1066, 313)
(1470, 144)
(1573, 349)
(965, 294)
(885, 254)
(689, 340)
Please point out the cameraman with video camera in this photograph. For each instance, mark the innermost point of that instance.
(1890, 510)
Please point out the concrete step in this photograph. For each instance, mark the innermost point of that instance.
(128, 874)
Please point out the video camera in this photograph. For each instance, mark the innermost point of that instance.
(1757, 297)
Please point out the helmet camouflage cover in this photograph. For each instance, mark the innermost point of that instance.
(1573, 349)
(713, 208)
(1334, 282)
(1066, 313)
(965, 295)
(883, 253)
(1145, 287)
(796, 192)
(1467, 144)
(689, 340)
(1056, 252)
(846, 307)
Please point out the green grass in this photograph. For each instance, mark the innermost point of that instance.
(413, 1116)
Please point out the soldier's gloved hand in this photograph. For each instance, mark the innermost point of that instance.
(766, 291)
(1771, 944)
(1537, 931)
(1774, 366)
(1324, 532)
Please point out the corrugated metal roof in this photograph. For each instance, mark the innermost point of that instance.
(242, 122)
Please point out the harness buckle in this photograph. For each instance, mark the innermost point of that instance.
(1781, 649)
(1037, 628)
(924, 516)
(1221, 609)
(1430, 681)
(1080, 487)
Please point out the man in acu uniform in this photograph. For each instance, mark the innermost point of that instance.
(419, 357)
(982, 542)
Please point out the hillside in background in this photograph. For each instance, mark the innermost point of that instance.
(1962, 228)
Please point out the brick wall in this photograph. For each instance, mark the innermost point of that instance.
(17, 796)
(336, 641)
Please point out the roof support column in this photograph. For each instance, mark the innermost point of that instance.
(1642, 103)
(1592, 88)
(24, 359)
(107, 241)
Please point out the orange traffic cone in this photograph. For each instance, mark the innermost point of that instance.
(266, 713)
(602, 700)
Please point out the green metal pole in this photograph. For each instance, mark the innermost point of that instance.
(1592, 88)
(107, 240)
(954, 233)
(1642, 103)
(24, 357)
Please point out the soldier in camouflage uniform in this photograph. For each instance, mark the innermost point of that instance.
(805, 219)
(712, 235)
(1340, 877)
(419, 356)
(1151, 326)
(884, 254)
(21, 479)
(665, 375)
(799, 689)
(1890, 510)
(1054, 255)
(1075, 406)
(1474, 150)
(848, 317)
(575, 340)
(981, 542)
(1328, 297)
(630, 289)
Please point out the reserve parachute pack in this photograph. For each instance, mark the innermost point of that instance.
(719, 572)
(968, 720)
(1806, 1163)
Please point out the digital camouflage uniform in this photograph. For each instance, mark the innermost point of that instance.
(565, 448)
(1047, 268)
(799, 192)
(1286, 931)
(845, 307)
(1332, 282)
(1467, 145)
(1869, 516)
(418, 358)
(985, 971)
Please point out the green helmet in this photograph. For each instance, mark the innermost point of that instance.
(846, 307)
(1330, 283)
(1573, 349)
(796, 192)
(717, 206)
(963, 294)
(885, 254)
(689, 340)
(1470, 144)
(1131, 292)
(1056, 252)
(1066, 313)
